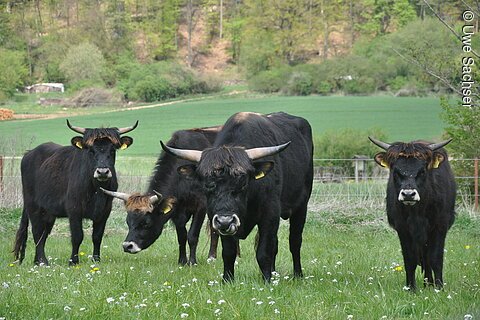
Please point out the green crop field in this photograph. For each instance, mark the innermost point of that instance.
(352, 270)
(400, 118)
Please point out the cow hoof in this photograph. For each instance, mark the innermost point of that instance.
(96, 258)
(72, 262)
(192, 263)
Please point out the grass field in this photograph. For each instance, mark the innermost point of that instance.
(350, 256)
(349, 266)
(400, 118)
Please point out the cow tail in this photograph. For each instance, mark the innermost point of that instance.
(21, 238)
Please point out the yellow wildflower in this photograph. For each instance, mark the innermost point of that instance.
(398, 268)
(467, 247)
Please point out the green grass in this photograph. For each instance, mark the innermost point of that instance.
(348, 267)
(401, 118)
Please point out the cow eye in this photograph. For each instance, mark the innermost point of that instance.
(210, 185)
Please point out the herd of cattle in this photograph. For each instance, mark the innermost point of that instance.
(251, 171)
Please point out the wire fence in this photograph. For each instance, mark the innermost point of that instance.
(339, 184)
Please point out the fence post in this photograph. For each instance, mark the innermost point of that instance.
(476, 182)
(1, 173)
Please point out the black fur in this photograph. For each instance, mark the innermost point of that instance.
(422, 227)
(283, 190)
(58, 181)
(145, 228)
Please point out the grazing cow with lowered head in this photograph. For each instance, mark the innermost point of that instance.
(64, 181)
(420, 203)
(243, 192)
(146, 216)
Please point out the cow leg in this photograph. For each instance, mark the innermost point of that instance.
(180, 221)
(97, 236)
(229, 253)
(435, 256)
(427, 268)
(76, 233)
(42, 225)
(193, 235)
(297, 222)
(267, 246)
(409, 258)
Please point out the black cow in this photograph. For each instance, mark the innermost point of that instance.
(64, 181)
(420, 203)
(184, 199)
(243, 193)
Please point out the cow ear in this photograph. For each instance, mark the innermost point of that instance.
(167, 205)
(187, 170)
(380, 159)
(77, 142)
(437, 160)
(126, 142)
(262, 169)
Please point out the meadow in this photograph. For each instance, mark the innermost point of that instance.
(351, 259)
(352, 265)
(401, 118)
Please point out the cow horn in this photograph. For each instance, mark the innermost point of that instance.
(119, 195)
(127, 129)
(379, 143)
(155, 198)
(76, 129)
(435, 146)
(257, 153)
(192, 155)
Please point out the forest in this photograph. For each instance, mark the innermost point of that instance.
(150, 50)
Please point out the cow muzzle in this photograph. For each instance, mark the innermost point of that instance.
(131, 247)
(102, 174)
(409, 197)
(226, 225)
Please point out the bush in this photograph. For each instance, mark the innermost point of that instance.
(344, 144)
(269, 81)
(299, 84)
(12, 72)
(163, 80)
(84, 63)
(361, 85)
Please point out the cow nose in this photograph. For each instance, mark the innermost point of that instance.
(102, 174)
(131, 247)
(223, 220)
(127, 246)
(409, 194)
(226, 224)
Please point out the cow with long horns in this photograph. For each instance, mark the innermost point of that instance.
(243, 192)
(420, 204)
(64, 181)
(184, 201)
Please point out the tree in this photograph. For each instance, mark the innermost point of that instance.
(84, 63)
(12, 72)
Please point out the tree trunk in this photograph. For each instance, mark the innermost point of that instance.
(221, 20)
